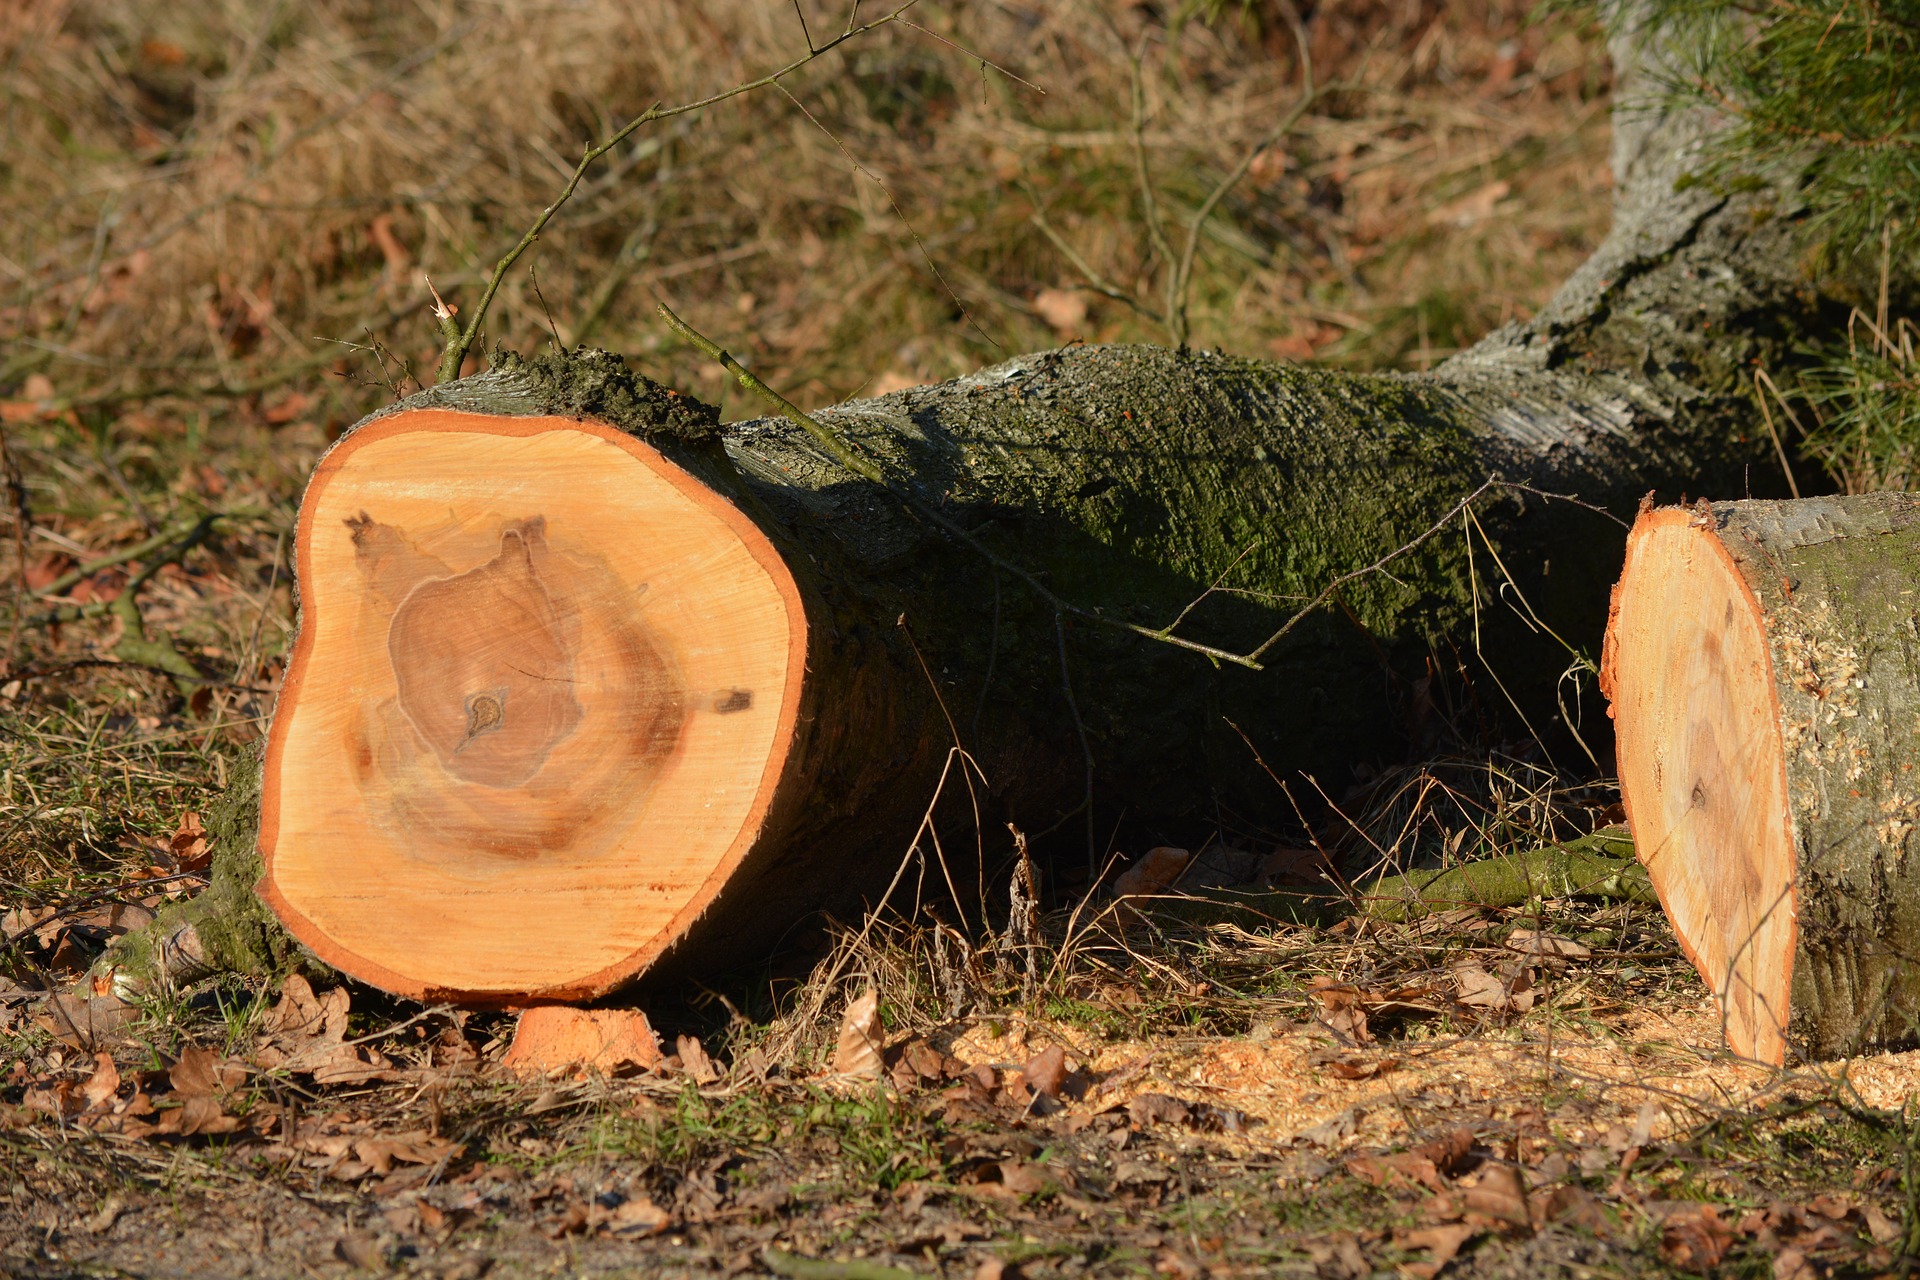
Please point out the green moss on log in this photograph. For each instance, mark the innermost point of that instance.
(1600, 865)
(236, 932)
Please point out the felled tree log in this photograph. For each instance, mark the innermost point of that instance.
(572, 664)
(585, 682)
(1761, 662)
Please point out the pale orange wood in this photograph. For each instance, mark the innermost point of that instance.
(558, 1039)
(543, 691)
(1703, 769)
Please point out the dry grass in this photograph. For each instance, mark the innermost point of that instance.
(209, 193)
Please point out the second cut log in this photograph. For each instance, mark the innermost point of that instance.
(1763, 662)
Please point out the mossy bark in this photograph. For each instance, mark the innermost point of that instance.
(225, 927)
(1838, 581)
(1600, 865)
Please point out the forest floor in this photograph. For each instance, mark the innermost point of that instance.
(1491, 1093)
(1520, 1091)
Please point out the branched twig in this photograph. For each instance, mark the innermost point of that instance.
(460, 339)
(1095, 281)
(134, 645)
(75, 576)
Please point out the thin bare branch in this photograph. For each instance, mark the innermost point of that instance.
(457, 345)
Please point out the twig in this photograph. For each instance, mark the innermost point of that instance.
(982, 60)
(1150, 203)
(838, 449)
(1760, 379)
(134, 646)
(1180, 286)
(75, 576)
(1095, 281)
(91, 900)
(913, 233)
(459, 340)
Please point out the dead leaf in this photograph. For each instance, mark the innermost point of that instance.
(637, 1218)
(380, 1152)
(1349, 1068)
(58, 1099)
(1478, 989)
(1500, 1197)
(1338, 1257)
(1045, 1073)
(1156, 1108)
(87, 1023)
(1450, 1155)
(1441, 1243)
(1546, 945)
(1695, 1238)
(103, 1219)
(361, 1249)
(1332, 1131)
(1018, 1178)
(1578, 1207)
(862, 1039)
(103, 1086)
(918, 1062)
(300, 1014)
(1477, 206)
(1341, 1011)
(344, 1064)
(1826, 1204)
(197, 1113)
(1408, 1165)
(189, 845)
(452, 1051)
(1792, 1264)
(288, 406)
(1064, 310)
(694, 1060)
(201, 1072)
(1296, 868)
(1154, 873)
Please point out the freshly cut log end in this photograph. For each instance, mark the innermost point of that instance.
(1701, 767)
(1767, 720)
(544, 688)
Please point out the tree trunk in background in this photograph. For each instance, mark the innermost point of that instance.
(1131, 479)
(1764, 670)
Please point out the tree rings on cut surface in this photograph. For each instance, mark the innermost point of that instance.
(1761, 662)
(544, 687)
